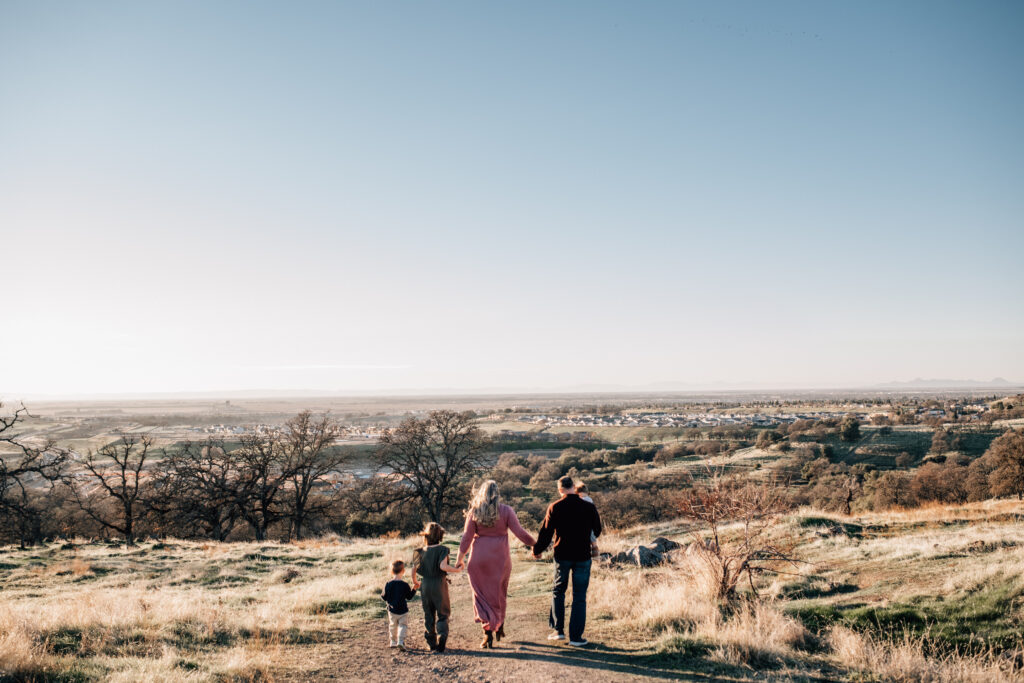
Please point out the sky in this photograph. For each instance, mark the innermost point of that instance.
(353, 197)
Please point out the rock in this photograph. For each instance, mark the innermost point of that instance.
(605, 557)
(644, 556)
(665, 544)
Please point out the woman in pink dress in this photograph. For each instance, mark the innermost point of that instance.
(485, 538)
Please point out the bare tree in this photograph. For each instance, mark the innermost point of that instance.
(309, 456)
(117, 469)
(727, 558)
(261, 480)
(434, 456)
(31, 469)
(198, 488)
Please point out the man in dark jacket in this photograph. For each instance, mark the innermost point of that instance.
(569, 521)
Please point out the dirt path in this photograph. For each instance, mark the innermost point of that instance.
(358, 651)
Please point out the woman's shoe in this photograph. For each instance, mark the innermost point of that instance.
(488, 640)
(441, 642)
(500, 633)
(431, 639)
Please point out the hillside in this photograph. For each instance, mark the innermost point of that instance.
(884, 596)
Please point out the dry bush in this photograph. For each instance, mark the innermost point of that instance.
(753, 511)
(904, 660)
(673, 601)
(658, 598)
(757, 633)
(21, 657)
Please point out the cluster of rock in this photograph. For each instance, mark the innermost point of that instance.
(645, 555)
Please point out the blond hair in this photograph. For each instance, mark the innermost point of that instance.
(485, 504)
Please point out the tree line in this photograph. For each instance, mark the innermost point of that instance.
(286, 482)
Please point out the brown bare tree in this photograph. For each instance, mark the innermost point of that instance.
(197, 488)
(434, 456)
(261, 482)
(727, 558)
(309, 457)
(32, 469)
(117, 470)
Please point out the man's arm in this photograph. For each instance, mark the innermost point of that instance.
(596, 523)
(547, 531)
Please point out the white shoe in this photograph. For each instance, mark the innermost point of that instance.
(393, 645)
(579, 643)
(556, 636)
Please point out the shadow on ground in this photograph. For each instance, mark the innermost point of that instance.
(610, 659)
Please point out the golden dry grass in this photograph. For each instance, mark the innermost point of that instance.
(181, 610)
(188, 611)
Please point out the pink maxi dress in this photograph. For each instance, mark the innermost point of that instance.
(490, 564)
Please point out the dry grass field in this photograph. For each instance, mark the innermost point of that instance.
(933, 594)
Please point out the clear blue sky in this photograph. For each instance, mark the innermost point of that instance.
(372, 196)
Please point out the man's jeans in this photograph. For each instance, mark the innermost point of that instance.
(580, 572)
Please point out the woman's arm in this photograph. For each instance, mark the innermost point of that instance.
(518, 530)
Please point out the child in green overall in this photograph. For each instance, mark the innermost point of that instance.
(431, 561)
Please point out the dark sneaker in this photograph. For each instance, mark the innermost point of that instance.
(441, 642)
(583, 642)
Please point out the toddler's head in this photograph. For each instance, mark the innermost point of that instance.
(397, 568)
(432, 533)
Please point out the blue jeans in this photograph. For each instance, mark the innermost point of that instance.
(580, 573)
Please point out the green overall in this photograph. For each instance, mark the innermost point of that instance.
(433, 590)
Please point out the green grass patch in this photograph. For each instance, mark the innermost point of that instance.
(356, 557)
(811, 587)
(262, 557)
(848, 528)
(191, 634)
(63, 641)
(72, 675)
(339, 606)
(989, 617)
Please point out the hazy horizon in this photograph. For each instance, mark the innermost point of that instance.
(335, 197)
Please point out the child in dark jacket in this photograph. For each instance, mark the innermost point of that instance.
(396, 592)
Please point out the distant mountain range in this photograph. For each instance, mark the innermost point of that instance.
(663, 387)
(995, 383)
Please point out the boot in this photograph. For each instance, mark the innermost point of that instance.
(441, 643)
(431, 639)
(500, 633)
(488, 640)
